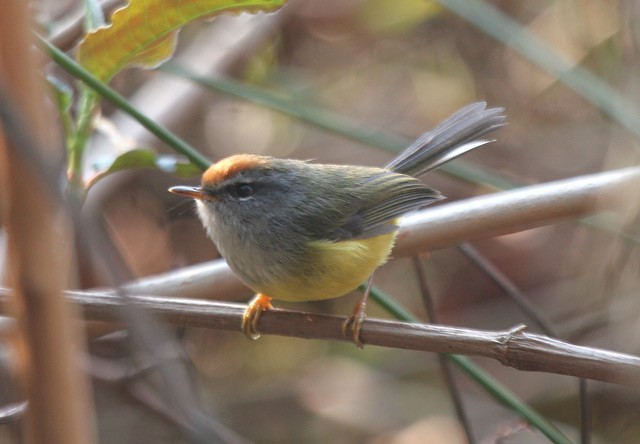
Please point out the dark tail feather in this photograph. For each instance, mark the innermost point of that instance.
(455, 136)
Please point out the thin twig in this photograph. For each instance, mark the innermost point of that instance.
(165, 352)
(480, 377)
(129, 378)
(507, 286)
(586, 423)
(517, 296)
(445, 366)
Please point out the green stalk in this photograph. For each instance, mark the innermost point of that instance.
(63, 97)
(486, 381)
(78, 141)
(88, 103)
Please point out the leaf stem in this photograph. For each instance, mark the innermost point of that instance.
(120, 102)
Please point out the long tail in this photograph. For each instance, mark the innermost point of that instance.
(455, 136)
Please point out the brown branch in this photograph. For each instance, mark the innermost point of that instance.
(46, 340)
(514, 348)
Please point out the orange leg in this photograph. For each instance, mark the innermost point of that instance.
(358, 315)
(259, 304)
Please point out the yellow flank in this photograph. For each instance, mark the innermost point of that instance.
(339, 267)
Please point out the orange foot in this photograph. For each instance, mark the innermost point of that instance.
(259, 304)
(354, 323)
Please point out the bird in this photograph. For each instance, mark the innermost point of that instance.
(294, 230)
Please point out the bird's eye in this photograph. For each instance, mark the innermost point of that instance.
(244, 190)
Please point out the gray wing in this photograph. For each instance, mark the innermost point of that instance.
(395, 194)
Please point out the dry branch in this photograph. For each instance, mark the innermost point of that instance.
(46, 340)
(514, 348)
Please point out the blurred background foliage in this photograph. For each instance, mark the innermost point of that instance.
(398, 68)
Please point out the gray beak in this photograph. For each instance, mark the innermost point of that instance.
(193, 192)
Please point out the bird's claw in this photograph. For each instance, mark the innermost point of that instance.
(259, 304)
(354, 323)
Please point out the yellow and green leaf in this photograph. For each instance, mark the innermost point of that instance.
(144, 32)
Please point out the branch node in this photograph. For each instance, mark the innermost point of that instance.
(509, 335)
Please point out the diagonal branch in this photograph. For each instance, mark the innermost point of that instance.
(514, 348)
(516, 210)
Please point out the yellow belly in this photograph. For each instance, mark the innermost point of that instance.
(338, 268)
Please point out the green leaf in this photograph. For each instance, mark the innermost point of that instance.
(143, 158)
(144, 32)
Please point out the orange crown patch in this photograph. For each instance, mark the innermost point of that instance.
(230, 166)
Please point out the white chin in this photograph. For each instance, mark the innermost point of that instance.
(206, 216)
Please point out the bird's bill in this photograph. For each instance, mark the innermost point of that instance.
(193, 192)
